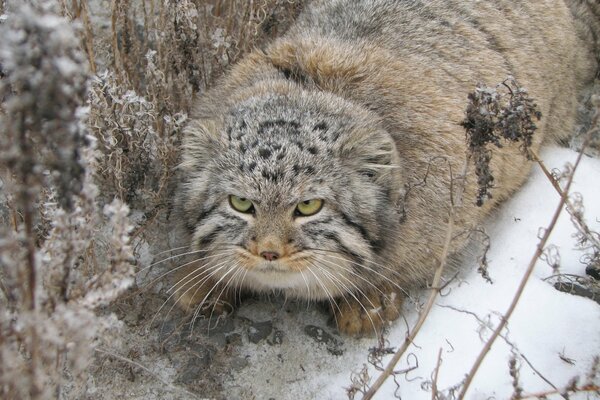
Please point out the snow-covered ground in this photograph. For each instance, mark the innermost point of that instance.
(558, 333)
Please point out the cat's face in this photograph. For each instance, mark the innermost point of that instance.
(290, 193)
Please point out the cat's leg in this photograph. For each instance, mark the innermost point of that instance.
(366, 313)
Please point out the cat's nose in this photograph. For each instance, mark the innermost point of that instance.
(269, 255)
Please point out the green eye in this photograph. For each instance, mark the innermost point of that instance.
(308, 207)
(241, 204)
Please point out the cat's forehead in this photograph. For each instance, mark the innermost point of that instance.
(280, 148)
(282, 120)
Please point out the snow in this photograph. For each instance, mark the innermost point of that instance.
(546, 325)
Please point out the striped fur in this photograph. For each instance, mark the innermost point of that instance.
(351, 106)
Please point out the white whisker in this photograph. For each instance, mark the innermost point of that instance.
(176, 256)
(225, 287)
(198, 273)
(327, 254)
(351, 271)
(199, 307)
(307, 288)
(192, 262)
(354, 296)
(329, 296)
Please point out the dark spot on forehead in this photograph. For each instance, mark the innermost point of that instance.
(278, 123)
(321, 126)
(312, 150)
(309, 170)
(264, 153)
(270, 175)
(306, 169)
(251, 166)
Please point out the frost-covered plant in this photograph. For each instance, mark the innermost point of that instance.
(494, 115)
(43, 67)
(162, 53)
(50, 283)
(135, 161)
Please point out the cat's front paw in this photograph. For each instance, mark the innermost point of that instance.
(366, 314)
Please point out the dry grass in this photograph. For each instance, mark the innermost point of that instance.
(91, 120)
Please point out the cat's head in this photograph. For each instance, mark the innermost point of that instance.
(290, 192)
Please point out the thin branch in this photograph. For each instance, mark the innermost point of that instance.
(540, 374)
(558, 189)
(434, 387)
(435, 286)
(89, 35)
(410, 338)
(543, 395)
(539, 251)
(507, 341)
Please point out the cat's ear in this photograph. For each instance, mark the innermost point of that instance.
(202, 141)
(372, 153)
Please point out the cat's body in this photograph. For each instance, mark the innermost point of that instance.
(349, 109)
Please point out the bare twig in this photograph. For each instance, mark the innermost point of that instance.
(410, 338)
(506, 340)
(563, 393)
(539, 251)
(434, 387)
(115, 44)
(436, 286)
(88, 35)
(570, 207)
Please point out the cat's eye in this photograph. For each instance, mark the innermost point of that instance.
(241, 204)
(308, 207)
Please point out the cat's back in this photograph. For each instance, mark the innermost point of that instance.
(408, 24)
(550, 46)
(448, 30)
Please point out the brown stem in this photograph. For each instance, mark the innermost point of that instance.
(26, 203)
(521, 288)
(435, 286)
(434, 387)
(115, 42)
(89, 36)
(543, 395)
(584, 226)
(410, 338)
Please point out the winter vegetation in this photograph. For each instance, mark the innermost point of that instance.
(93, 98)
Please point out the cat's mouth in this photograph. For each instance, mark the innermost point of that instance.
(272, 266)
(290, 264)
